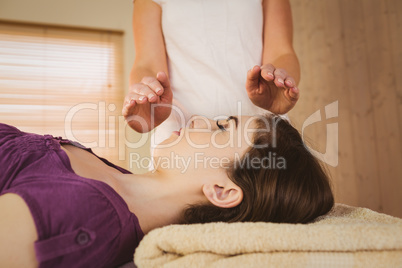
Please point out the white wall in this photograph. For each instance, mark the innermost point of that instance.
(101, 14)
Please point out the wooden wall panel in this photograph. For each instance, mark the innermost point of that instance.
(336, 87)
(395, 26)
(383, 91)
(350, 51)
(356, 72)
(394, 22)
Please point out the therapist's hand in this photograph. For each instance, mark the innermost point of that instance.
(272, 89)
(148, 103)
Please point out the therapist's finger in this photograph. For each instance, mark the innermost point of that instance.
(155, 88)
(131, 101)
(280, 76)
(290, 82)
(145, 90)
(294, 93)
(267, 72)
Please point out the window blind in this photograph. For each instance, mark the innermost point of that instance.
(63, 81)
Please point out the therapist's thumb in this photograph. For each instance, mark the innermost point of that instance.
(253, 77)
(164, 80)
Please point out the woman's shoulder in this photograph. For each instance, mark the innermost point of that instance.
(17, 233)
(72, 217)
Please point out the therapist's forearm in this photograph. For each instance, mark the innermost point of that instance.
(139, 72)
(289, 62)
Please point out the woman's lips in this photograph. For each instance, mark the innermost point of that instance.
(177, 132)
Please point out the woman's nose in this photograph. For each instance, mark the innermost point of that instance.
(201, 122)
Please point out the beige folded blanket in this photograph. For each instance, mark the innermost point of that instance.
(345, 237)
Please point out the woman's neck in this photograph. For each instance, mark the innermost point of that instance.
(156, 199)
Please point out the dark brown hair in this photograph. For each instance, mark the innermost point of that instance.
(295, 191)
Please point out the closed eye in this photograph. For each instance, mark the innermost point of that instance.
(224, 126)
(236, 120)
(220, 126)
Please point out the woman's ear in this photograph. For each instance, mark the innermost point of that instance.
(227, 196)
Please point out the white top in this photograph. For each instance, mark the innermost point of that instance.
(210, 44)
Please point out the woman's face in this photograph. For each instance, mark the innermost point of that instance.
(206, 144)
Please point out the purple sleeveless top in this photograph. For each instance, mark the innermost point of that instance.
(80, 222)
